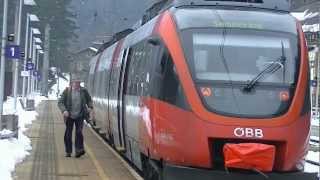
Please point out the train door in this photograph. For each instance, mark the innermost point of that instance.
(130, 102)
(119, 137)
(137, 109)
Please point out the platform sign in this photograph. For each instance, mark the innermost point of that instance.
(10, 37)
(13, 52)
(29, 66)
(25, 73)
(35, 73)
(22, 54)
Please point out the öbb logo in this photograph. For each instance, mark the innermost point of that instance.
(248, 132)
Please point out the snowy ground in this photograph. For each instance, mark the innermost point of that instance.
(315, 121)
(13, 151)
(312, 156)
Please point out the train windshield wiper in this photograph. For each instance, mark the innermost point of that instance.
(272, 68)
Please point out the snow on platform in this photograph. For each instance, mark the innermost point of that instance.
(311, 168)
(13, 151)
(315, 121)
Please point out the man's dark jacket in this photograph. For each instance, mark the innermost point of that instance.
(64, 102)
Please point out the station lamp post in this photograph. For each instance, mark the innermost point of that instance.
(3, 44)
(36, 62)
(32, 54)
(30, 18)
(39, 52)
(18, 19)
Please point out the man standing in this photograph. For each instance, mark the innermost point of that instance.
(75, 103)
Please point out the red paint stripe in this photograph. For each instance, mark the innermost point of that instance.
(156, 27)
(98, 62)
(116, 53)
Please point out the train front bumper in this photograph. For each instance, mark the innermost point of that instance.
(171, 172)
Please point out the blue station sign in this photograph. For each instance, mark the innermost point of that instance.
(13, 52)
(29, 66)
(35, 73)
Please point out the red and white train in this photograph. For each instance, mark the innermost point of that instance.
(203, 80)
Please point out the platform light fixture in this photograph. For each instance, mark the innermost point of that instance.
(36, 31)
(38, 47)
(29, 2)
(38, 40)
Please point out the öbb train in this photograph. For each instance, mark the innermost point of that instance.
(207, 89)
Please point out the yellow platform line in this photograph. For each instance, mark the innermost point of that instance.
(131, 170)
(100, 170)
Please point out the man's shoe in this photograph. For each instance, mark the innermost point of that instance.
(79, 154)
(68, 155)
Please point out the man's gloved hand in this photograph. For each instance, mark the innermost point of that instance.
(65, 114)
(91, 114)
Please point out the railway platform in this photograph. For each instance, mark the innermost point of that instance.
(47, 160)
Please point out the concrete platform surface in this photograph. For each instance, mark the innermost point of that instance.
(48, 162)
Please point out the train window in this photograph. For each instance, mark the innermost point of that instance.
(144, 72)
(223, 63)
(163, 62)
(100, 84)
(104, 83)
(96, 84)
(169, 88)
(89, 83)
(170, 79)
(115, 75)
(132, 75)
(139, 73)
(124, 70)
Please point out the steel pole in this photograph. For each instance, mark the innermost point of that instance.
(58, 82)
(34, 49)
(16, 63)
(45, 67)
(318, 73)
(317, 86)
(26, 56)
(30, 56)
(317, 68)
(37, 62)
(30, 43)
(3, 46)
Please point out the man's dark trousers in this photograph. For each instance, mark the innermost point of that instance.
(68, 135)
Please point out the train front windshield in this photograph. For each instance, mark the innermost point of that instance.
(244, 63)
